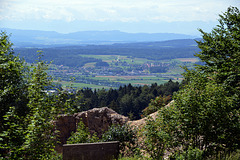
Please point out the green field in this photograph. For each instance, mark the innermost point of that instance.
(113, 58)
(134, 80)
(66, 84)
(97, 81)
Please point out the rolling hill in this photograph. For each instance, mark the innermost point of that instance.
(35, 38)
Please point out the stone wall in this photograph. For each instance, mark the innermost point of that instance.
(91, 151)
(65, 124)
(97, 120)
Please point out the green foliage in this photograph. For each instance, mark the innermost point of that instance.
(226, 156)
(162, 133)
(13, 99)
(190, 154)
(12, 136)
(156, 104)
(135, 157)
(209, 102)
(124, 134)
(126, 137)
(233, 156)
(55, 156)
(27, 111)
(158, 69)
(127, 100)
(39, 138)
(102, 64)
(206, 116)
(12, 85)
(220, 49)
(209, 115)
(82, 135)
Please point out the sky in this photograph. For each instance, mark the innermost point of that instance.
(134, 16)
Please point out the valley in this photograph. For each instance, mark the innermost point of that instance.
(120, 71)
(115, 65)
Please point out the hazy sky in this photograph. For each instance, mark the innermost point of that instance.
(176, 16)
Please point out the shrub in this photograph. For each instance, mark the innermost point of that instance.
(156, 104)
(190, 154)
(82, 135)
(162, 133)
(126, 137)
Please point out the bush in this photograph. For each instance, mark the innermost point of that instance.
(126, 137)
(82, 135)
(227, 156)
(162, 133)
(55, 156)
(156, 104)
(190, 154)
(233, 156)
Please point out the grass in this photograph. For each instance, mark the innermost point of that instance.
(143, 81)
(114, 58)
(232, 156)
(135, 80)
(82, 85)
(134, 158)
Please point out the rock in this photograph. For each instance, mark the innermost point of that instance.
(65, 124)
(97, 120)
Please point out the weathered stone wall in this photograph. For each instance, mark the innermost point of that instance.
(66, 125)
(91, 151)
(97, 120)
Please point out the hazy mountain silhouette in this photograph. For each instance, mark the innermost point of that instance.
(36, 38)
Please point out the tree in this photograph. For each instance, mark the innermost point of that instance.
(209, 102)
(27, 111)
(13, 98)
(220, 49)
(209, 116)
(39, 136)
(205, 115)
(12, 84)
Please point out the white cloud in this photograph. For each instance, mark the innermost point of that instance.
(114, 10)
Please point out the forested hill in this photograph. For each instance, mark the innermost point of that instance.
(128, 100)
(182, 48)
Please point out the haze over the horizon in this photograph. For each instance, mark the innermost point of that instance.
(133, 16)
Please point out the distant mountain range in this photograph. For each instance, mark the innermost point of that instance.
(35, 38)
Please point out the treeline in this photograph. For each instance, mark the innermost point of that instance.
(71, 55)
(158, 69)
(87, 80)
(56, 56)
(128, 100)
